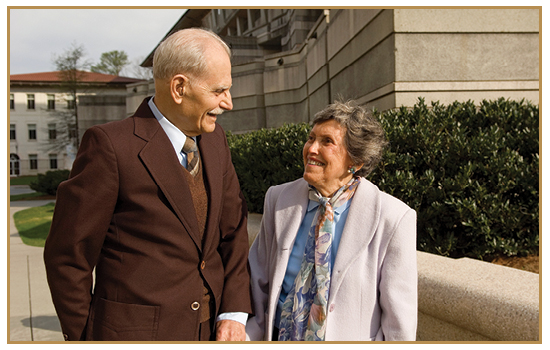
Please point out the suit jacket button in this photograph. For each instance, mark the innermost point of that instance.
(195, 306)
(331, 308)
(203, 264)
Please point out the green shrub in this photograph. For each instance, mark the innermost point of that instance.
(267, 157)
(47, 183)
(471, 173)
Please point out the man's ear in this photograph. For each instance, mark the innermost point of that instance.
(178, 86)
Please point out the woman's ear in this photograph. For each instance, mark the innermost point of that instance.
(352, 169)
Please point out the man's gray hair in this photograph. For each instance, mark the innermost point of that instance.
(183, 53)
(364, 137)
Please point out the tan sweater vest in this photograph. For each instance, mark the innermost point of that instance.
(200, 201)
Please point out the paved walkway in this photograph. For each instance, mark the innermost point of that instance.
(31, 313)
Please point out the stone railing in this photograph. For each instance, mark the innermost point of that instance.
(471, 300)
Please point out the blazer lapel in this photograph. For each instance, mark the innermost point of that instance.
(363, 218)
(213, 180)
(288, 215)
(163, 165)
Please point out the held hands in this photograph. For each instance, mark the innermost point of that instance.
(228, 330)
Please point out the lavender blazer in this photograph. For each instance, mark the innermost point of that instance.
(373, 292)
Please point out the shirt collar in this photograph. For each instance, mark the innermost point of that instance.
(177, 138)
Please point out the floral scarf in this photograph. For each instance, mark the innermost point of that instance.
(304, 311)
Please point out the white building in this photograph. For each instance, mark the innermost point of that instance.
(37, 105)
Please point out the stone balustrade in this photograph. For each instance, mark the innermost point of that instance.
(471, 300)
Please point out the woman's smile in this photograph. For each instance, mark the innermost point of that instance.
(326, 159)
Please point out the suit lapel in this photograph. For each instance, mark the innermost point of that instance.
(213, 180)
(163, 165)
(363, 218)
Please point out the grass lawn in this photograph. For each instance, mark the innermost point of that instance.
(22, 180)
(34, 224)
(30, 196)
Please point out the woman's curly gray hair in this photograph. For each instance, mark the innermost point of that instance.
(365, 140)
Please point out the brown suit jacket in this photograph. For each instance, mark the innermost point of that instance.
(126, 211)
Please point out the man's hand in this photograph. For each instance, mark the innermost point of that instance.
(228, 330)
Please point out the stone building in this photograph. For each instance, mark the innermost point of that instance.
(39, 109)
(290, 63)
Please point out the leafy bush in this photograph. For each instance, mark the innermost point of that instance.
(266, 158)
(48, 183)
(471, 173)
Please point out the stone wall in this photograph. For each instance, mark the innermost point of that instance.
(471, 300)
(386, 58)
(389, 58)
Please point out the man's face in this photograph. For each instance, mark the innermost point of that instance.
(208, 96)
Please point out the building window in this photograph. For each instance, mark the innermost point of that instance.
(72, 131)
(51, 101)
(33, 161)
(70, 102)
(52, 132)
(53, 161)
(12, 102)
(14, 164)
(32, 131)
(30, 101)
(12, 131)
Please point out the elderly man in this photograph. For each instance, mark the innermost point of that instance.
(154, 205)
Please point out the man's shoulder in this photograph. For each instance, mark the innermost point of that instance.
(126, 122)
(114, 128)
(143, 114)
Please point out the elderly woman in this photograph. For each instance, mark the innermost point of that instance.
(335, 258)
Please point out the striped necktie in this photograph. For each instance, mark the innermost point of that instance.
(190, 148)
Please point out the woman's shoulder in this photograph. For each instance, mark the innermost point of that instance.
(288, 185)
(286, 189)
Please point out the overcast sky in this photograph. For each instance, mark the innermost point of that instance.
(37, 35)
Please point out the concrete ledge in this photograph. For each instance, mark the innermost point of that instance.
(471, 300)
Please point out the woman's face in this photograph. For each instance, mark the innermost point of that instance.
(326, 160)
